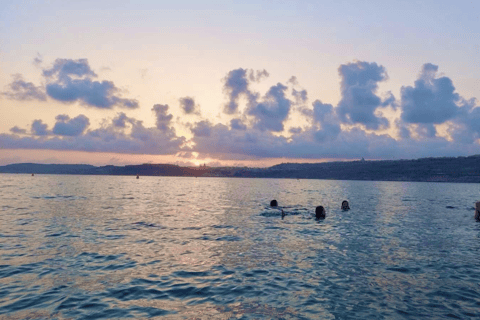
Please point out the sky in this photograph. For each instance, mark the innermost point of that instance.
(237, 83)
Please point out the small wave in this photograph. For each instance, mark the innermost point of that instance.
(310, 231)
(287, 212)
(122, 198)
(404, 269)
(271, 213)
(255, 272)
(224, 238)
(229, 238)
(274, 228)
(56, 234)
(296, 211)
(222, 227)
(7, 271)
(192, 228)
(191, 274)
(45, 197)
(18, 235)
(148, 225)
(92, 261)
(60, 196)
(22, 222)
(72, 306)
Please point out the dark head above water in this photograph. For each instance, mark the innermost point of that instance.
(273, 203)
(320, 212)
(345, 205)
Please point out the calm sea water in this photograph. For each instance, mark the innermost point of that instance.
(90, 247)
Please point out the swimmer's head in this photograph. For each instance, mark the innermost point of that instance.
(273, 203)
(320, 212)
(345, 205)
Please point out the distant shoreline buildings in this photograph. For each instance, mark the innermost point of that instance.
(459, 169)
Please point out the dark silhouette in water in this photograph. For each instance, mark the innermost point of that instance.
(274, 204)
(345, 205)
(320, 213)
(477, 211)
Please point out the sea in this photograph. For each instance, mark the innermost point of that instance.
(116, 247)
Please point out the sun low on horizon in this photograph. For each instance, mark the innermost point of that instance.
(225, 83)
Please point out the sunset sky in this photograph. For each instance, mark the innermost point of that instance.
(237, 82)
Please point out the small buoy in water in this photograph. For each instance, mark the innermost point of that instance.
(345, 205)
(273, 203)
(320, 212)
(138, 176)
(477, 211)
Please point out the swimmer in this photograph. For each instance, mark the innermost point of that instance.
(345, 205)
(274, 204)
(477, 211)
(320, 213)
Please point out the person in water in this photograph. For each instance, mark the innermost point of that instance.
(345, 205)
(320, 213)
(477, 211)
(274, 204)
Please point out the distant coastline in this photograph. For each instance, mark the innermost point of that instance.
(445, 169)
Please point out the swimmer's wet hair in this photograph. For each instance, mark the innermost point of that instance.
(273, 203)
(320, 212)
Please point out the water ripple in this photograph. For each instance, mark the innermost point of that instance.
(404, 250)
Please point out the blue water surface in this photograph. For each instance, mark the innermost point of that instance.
(93, 247)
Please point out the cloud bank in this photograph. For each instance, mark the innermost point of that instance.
(121, 134)
(70, 81)
(434, 120)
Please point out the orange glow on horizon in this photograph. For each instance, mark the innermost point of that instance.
(101, 159)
